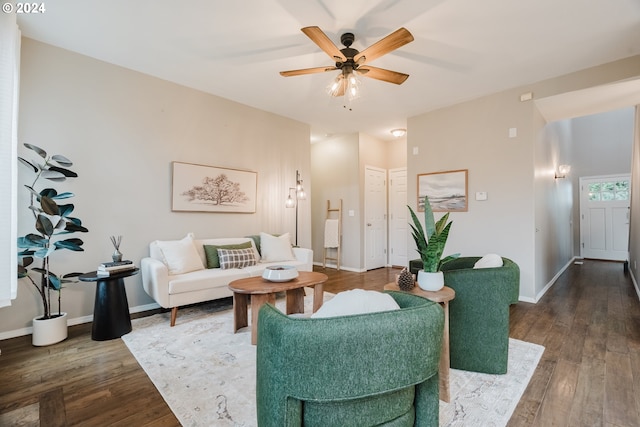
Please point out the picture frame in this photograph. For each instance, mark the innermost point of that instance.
(202, 188)
(447, 191)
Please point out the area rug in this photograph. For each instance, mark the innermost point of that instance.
(206, 373)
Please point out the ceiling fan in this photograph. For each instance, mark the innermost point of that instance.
(351, 62)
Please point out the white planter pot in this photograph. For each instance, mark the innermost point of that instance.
(49, 331)
(430, 281)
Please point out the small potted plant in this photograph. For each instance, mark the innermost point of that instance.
(430, 243)
(52, 220)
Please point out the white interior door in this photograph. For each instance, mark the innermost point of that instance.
(375, 214)
(604, 217)
(398, 217)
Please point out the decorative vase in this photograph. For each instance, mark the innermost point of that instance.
(430, 281)
(49, 331)
(117, 256)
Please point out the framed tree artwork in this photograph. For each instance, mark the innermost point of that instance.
(200, 188)
(447, 191)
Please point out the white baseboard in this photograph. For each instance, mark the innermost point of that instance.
(75, 321)
(635, 283)
(342, 267)
(554, 279)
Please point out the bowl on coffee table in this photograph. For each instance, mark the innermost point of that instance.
(280, 273)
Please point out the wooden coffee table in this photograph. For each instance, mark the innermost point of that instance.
(263, 291)
(443, 296)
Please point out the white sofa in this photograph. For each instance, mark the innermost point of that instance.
(192, 282)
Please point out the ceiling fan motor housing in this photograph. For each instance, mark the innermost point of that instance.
(348, 52)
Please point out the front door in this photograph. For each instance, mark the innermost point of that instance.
(604, 217)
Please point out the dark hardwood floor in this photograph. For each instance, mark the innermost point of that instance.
(589, 374)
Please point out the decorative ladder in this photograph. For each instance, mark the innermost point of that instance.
(334, 213)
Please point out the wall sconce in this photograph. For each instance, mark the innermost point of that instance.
(398, 132)
(293, 202)
(562, 171)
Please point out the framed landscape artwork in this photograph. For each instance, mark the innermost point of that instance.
(199, 188)
(447, 191)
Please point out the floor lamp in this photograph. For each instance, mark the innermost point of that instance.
(293, 202)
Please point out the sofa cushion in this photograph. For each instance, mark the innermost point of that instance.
(211, 252)
(236, 258)
(180, 256)
(202, 280)
(276, 249)
(356, 301)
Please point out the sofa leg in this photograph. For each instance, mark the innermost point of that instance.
(174, 314)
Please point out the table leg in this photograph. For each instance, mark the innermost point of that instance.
(318, 296)
(111, 317)
(295, 301)
(257, 301)
(240, 316)
(445, 392)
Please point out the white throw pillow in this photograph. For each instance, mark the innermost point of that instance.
(489, 261)
(181, 256)
(356, 301)
(276, 249)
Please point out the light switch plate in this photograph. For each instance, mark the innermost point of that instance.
(481, 195)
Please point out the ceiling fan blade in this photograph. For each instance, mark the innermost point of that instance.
(304, 71)
(320, 38)
(393, 41)
(382, 74)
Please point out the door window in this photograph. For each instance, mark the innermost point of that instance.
(605, 191)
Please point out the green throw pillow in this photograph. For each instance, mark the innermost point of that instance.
(256, 240)
(211, 252)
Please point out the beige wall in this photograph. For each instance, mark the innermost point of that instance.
(553, 202)
(474, 135)
(123, 129)
(336, 175)
(338, 165)
(397, 153)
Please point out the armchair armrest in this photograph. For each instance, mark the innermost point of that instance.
(155, 280)
(306, 256)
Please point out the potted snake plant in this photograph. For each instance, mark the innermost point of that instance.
(430, 242)
(53, 223)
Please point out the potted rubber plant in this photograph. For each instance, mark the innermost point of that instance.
(53, 224)
(430, 242)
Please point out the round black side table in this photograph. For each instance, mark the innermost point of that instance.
(111, 317)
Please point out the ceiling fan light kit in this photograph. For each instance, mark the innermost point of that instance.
(352, 63)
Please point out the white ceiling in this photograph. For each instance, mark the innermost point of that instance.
(463, 49)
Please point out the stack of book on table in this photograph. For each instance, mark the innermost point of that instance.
(107, 269)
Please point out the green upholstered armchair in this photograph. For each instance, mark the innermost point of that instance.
(479, 314)
(360, 370)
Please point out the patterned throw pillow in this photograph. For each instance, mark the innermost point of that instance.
(211, 252)
(236, 258)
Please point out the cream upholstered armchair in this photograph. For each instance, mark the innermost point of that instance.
(375, 369)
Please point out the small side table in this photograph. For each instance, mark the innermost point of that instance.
(111, 317)
(443, 296)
